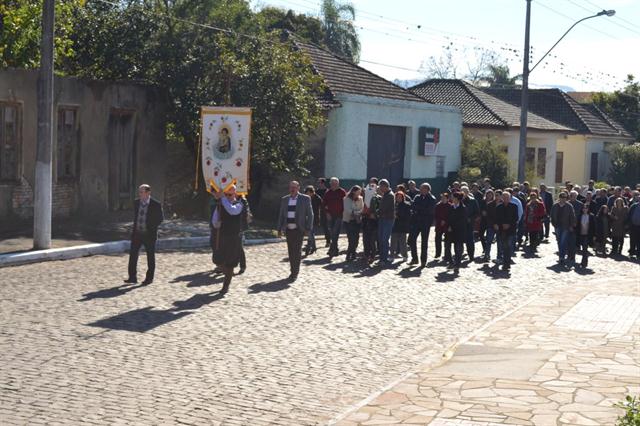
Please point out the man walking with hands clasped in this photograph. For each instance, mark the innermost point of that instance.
(147, 216)
(295, 221)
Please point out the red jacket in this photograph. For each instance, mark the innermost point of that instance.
(533, 216)
(441, 215)
(333, 203)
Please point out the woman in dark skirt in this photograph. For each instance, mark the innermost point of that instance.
(227, 224)
(457, 231)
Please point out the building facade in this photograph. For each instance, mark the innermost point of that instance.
(485, 116)
(375, 128)
(107, 139)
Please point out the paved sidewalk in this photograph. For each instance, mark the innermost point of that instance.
(563, 359)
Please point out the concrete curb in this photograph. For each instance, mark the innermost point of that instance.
(112, 247)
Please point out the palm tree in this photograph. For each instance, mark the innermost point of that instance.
(340, 36)
(499, 76)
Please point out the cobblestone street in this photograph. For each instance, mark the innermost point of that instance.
(78, 346)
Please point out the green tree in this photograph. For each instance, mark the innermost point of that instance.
(623, 105)
(307, 27)
(499, 76)
(21, 30)
(193, 66)
(482, 158)
(624, 165)
(341, 36)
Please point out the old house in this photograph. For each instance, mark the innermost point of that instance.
(108, 138)
(376, 128)
(585, 153)
(484, 115)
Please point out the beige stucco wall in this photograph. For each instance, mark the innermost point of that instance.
(94, 100)
(348, 132)
(577, 156)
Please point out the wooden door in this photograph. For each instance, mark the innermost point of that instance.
(385, 153)
(121, 160)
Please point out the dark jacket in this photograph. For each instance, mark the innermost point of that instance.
(472, 209)
(507, 218)
(490, 218)
(316, 204)
(563, 217)
(442, 215)
(423, 209)
(603, 227)
(547, 199)
(591, 231)
(155, 216)
(403, 218)
(457, 222)
(387, 206)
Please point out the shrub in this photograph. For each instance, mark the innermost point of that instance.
(482, 158)
(631, 406)
(624, 164)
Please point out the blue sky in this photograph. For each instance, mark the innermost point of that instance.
(596, 55)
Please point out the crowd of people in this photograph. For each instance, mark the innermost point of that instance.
(389, 223)
(518, 217)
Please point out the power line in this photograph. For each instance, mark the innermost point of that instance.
(573, 20)
(413, 36)
(615, 16)
(252, 37)
(609, 20)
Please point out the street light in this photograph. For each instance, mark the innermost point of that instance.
(524, 103)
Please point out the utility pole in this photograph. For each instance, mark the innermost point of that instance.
(524, 102)
(43, 182)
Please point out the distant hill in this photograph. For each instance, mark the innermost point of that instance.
(407, 83)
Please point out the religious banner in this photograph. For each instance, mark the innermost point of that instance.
(225, 133)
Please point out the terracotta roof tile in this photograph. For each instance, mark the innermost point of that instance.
(556, 105)
(479, 109)
(341, 76)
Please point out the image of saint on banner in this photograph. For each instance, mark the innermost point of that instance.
(225, 133)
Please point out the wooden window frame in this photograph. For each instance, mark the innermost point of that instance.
(19, 123)
(76, 128)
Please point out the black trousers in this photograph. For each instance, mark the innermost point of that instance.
(634, 234)
(423, 230)
(439, 239)
(149, 242)
(294, 247)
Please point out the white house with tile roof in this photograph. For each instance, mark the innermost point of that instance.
(375, 127)
(484, 115)
(583, 154)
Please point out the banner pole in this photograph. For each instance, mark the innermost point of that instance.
(198, 149)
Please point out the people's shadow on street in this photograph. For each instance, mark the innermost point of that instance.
(200, 279)
(584, 270)
(197, 301)
(146, 319)
(347, 267)
(410, 272)
(318, 261)
(448, 275)
(495, 272)
(558, 268)
(273, 286)
(108, 293)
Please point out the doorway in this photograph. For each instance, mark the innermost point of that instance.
(122, 158)
(385, 153)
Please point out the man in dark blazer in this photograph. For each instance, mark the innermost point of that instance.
(146, 219)
(295, 221)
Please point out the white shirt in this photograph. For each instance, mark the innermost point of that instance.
(291, 213)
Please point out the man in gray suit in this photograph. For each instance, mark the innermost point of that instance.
(295, 221)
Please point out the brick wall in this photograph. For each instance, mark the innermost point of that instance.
(64, 199)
